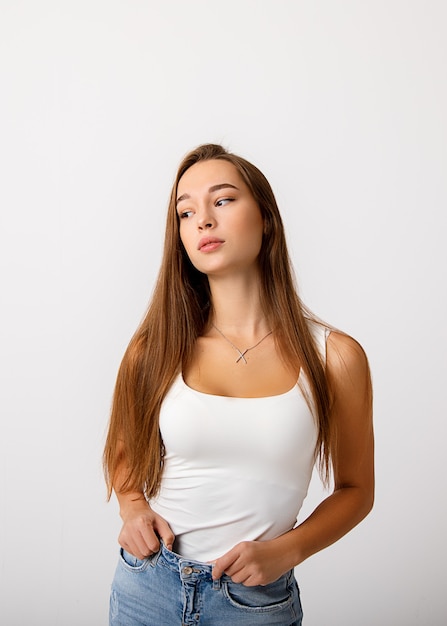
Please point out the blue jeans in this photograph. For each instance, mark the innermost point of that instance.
(168, 590)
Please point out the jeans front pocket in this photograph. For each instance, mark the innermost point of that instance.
(131, 563)
(275, 596)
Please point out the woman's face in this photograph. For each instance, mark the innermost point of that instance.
(221, 226)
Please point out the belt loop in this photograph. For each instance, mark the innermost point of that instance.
(216, 584)
(155, 557)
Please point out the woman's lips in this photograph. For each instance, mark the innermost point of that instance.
(209, 244)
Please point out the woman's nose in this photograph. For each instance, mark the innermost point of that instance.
(205, 220)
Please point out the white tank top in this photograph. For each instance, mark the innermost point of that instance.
(236, 469)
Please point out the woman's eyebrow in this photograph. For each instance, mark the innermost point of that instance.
(186, 196)
(221, 186)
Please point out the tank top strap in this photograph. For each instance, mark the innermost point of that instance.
(320, 333)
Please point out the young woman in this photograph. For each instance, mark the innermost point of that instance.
(227, 395)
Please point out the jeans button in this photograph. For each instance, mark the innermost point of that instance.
(187, 571)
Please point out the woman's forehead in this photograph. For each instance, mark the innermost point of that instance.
(205, 174)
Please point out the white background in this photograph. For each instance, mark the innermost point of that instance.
(342, 104)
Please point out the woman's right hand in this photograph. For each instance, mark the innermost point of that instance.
(142, 528)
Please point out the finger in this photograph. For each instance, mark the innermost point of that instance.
(165, 533)
(224, 563)
(133, 542)
(149, 540)
(135, 548)
(240, 576)
(139, 539)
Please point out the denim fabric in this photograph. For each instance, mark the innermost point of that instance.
(168, 590)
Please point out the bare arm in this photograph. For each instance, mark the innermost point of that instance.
(261, 562)
(142, 527)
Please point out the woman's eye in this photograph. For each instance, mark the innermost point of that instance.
(223, 201)
(185, 214)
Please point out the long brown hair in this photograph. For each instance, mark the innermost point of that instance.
(177, 316)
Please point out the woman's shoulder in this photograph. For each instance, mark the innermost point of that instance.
(341, 346)
(337, 341)
(346, 361)
(343, 354)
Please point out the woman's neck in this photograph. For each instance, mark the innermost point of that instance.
(236, 307)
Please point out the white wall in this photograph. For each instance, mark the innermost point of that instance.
(342, 105)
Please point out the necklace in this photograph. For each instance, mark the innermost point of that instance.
(242, 354)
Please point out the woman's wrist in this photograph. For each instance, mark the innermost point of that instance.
(131, 503)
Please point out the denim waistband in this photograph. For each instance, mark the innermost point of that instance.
(188, 569)
(176, 562)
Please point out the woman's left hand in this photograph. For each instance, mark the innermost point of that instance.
(251, 563)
